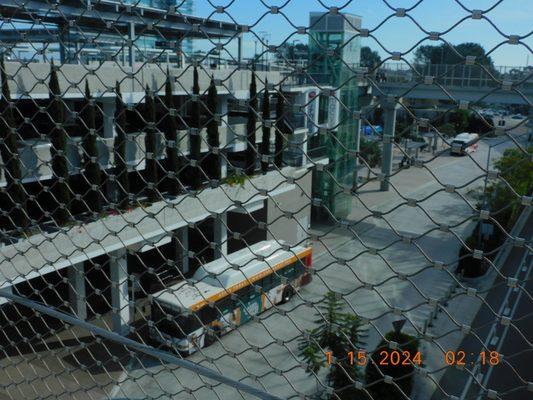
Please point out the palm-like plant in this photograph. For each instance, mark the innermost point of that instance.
(16, 197)
(92, 173)
(338, 333)
(171, 136)
(279, 139)
(150, 145)
(251, 149)
(121, 167)
(196, 138)
(265, 142)
(213, 140)
(58, 151)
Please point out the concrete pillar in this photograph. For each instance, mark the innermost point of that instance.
(530, 126)
(239, 49)
(220, 235)
(389, 109)
(118, 271)
(223, 165)
(355, 151)
(77, 293)
(131, 43)
(108, 105)
(182, 249)
(62, 43)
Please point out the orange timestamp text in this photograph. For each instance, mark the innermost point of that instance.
(461, 357)
(384, 357)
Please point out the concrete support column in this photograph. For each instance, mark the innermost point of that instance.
(239, 49)
(131, 43)
(118, 270)
(182, 249)
(77, 293)
(62, 43)
(530, 126)
(220, 235)
(223, 165)
(357, 145)
(389, 109)
(108, 105)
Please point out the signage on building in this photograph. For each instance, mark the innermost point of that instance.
(333, 110)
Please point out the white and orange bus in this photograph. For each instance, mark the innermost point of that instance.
(464, 143)
(226, 293)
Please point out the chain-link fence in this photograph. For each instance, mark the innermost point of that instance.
(248, 200)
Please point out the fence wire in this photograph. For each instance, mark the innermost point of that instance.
(243, 200)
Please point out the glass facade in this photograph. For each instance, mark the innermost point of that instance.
(334, 50)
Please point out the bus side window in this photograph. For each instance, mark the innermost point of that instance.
(208, 314)
(243, 294)
(289, 271)
(266, 283)
(276, 279)
(225, 305)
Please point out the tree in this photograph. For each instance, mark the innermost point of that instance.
(459, 119)
(293, 52)
(371, 153)
(121, 167)
(447, 129)
(455, 54)
(369, 58)
(58, 151)
(516, 168)
(279, 139)
(195, 137)
(401, 373)
(213, 140)
(16, 198)
(265, 142)
(377, 117)
(476, 124)
(337, 333)
(172, 143)
(91, 172)
(251, 149)
(150, 145)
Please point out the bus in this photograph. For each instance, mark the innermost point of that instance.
(464, 143)
(226, 293)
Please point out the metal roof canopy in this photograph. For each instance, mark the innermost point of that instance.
(97, 16)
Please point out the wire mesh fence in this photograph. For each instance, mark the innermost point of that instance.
(204, 201)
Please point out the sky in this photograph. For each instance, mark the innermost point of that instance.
(511, 17)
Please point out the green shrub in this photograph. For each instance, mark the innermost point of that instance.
(402, 374)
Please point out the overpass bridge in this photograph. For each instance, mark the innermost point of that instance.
(459, 82)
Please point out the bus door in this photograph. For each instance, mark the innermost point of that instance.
(249, 303)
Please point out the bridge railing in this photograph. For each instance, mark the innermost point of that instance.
(457, 75)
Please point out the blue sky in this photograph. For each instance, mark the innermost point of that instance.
(513, 17)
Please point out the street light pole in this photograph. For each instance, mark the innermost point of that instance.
(487, 166)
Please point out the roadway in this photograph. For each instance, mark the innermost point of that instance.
(264, 352)
(510, 376)
(268, 348)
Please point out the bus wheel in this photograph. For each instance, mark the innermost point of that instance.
(288, 292)
(211, 338)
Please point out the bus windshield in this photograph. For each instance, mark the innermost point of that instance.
(172, 323)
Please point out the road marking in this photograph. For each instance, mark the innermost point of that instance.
(506, 329)
(493, 329)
